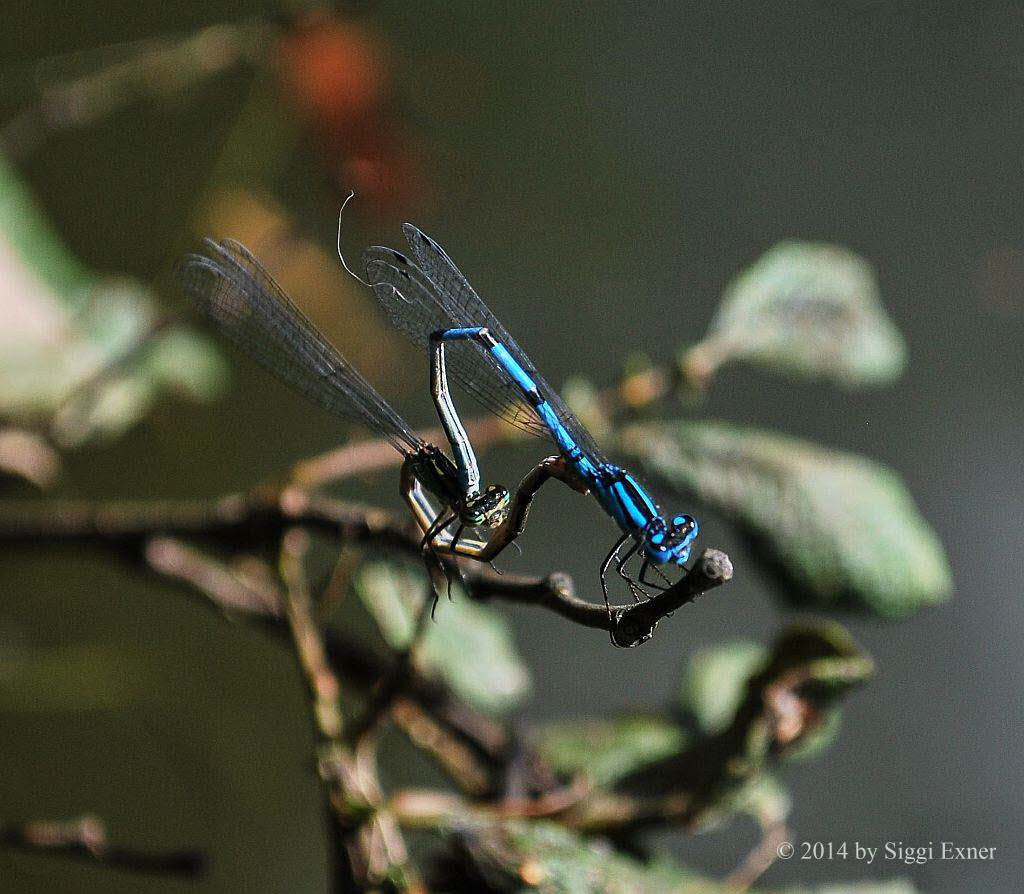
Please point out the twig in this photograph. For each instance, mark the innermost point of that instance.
(393, 684)
(376, 850)
(85, 838)
(28, 455)
(472, 748)
(309, 646)
(760, 859)
(377, 454)
(630, 625)
(224, 588)
(156, 69)
(265, 512)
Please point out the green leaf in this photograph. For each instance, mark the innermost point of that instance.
(715, 682)
(186, 361)
(840, 529)
(520, 855)
(810, 309)
(811, 667)
(25, 227)
(81, 354)
(606, 750)
(103, 413)
(776, 703)
(468, 646)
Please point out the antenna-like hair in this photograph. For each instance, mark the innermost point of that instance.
(351, 195)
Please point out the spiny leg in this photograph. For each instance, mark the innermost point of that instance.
(648, 564)
(431, 557)
(454, 544)
(605, 565)
(620, 567)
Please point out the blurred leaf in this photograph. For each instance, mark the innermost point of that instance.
(842, 530)
(605, 750)
(82, 354)
(806, 308)
(469, 646)
(29, 236)
(766, 799)
(103, 412)
(184, 360)
(810, 668)
(585, 400)
(518, 855)
(823, 736)
(715, 680)
(784, 701)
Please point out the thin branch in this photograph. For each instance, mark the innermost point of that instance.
(393, 684)
(630, 625)
(377, 454)
(376, 850)
(85, 838)
(152, 69)
(760, 859)
(309, 645)
(635, 392)
(472, 748)
(264, 513)
(223, 587)
(29, 456)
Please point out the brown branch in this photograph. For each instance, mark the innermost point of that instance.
(29, 456)
(636, 391)
(309, 645)
(760, 859)
(377, 454)
(395, 683)
(85, 838)
(156, 69)
(221, 585)
(265, 512)
(630, 625)
(472, 748)
(376, 850)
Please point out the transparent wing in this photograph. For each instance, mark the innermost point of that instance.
(454, 302)
(408, 299)
(233, 290)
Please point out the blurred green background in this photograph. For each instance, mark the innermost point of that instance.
(600, 171)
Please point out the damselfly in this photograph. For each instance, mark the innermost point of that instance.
(435, 306)
(233, 290)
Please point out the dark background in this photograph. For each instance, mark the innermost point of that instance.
(600, 171)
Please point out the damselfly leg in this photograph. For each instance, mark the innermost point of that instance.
(648, 565)
(620, 567)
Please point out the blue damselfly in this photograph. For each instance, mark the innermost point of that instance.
(234, 291)
(434, 305)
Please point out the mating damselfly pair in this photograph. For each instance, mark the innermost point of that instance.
(431, 302)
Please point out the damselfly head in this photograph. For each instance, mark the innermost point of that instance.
(486, 510)
(670, 541)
